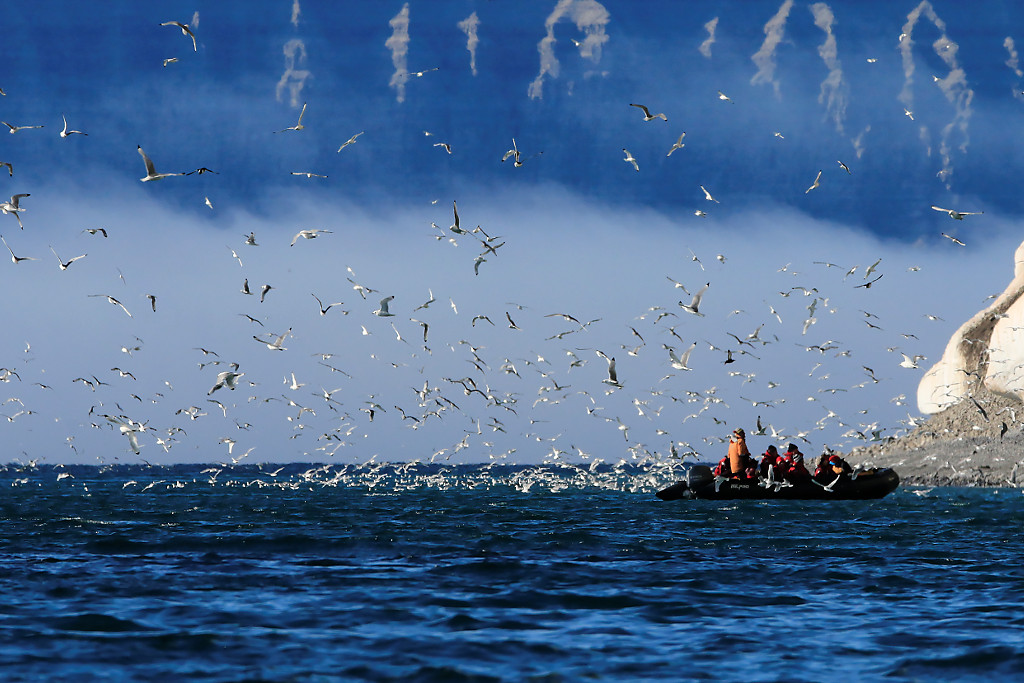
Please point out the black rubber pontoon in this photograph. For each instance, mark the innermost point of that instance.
(701, 483)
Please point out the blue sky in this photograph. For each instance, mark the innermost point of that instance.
(582, 232)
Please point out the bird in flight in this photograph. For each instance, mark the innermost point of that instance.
(680, 362)
(707, 195)
(151, 173)
(298, 125)
(613, 378)
(64, 264)
(678, 144)
(955, 240)
(694, 305)
(308, 234)
(13, 206)
(648, 116)
(630, 159)
(16, 259)
(64, 133)
(815, 184)
(844, 167)
(15, 129)
(351, 140)
(113, 301)
(419, 74)
(957, 215)
(185, 30)
(324, 309)
(383, 310)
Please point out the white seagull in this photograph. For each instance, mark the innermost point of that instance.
(15, 129)
(630, 159)
(648, 116)
(680, 362)
(64, 133)
(298, 125)
(383, 310)
(816, 183)
(612, 379)
(351, 140)
(694, 306)
(151, 173)
(228, 379)
(16, 259)
(678, 144)
(13, 207)
(957, 215)
(276, 344)
(308, 234)
(113, 301)
(185, 30)
(64, 264)
(707, 195)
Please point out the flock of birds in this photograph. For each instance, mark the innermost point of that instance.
(500, 406)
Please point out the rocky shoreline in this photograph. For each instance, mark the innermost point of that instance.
(976, 442)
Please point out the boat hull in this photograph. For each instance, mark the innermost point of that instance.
(700, 483)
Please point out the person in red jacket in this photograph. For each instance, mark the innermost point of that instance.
(792, 463)
(771, 461)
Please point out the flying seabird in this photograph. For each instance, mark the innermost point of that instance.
(647, 114)
(957, 215)
(324, 309)
(15, 129)
(383, 310)
(308, 234)
(14, 207)
(680, 362)
(185, 30)
(64, 133)
(298, 125)
(613, 378)
(151, 173)
(16, 259)
(113, 301)
(64, 265)
(694, 305)
(630, 159)
(816, 183)
(707, 196)
(351, 140)
(679, 144)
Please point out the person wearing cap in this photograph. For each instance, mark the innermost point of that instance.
(832, 470)
(739, 455)
(792, 464)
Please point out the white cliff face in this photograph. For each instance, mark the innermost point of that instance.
(987, 351)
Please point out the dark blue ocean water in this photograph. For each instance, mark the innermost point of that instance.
(476, 573)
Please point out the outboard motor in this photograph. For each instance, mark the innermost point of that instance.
(698, 476)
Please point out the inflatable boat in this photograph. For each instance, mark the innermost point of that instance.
(701, 483)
